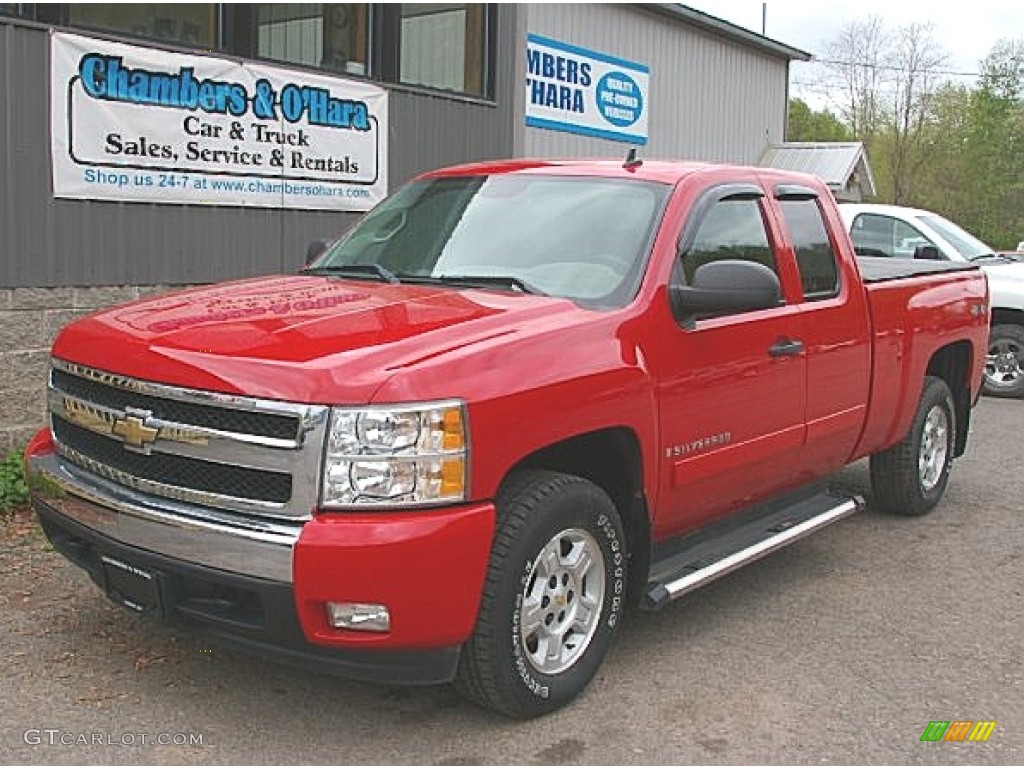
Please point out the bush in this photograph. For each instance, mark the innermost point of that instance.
(13, 485)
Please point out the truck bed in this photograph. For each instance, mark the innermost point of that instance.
(912, 319)
(878, 269)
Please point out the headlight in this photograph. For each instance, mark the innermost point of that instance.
(395, 456)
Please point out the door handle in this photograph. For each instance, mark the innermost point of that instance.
(786, 348)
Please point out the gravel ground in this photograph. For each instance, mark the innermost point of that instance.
(839, 649)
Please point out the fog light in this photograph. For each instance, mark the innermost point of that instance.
(367, 617)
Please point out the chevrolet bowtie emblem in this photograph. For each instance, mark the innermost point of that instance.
(133, 431)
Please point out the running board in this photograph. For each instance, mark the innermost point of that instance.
(708, 556)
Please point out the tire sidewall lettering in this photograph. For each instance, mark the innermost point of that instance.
(617, 572)
(606, 533)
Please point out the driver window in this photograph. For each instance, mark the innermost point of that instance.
(873, 235)
(877, 235)
(731, 229)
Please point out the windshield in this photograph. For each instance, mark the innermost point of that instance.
(584, 239)
(966, 244)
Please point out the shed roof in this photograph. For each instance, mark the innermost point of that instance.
(834, 162)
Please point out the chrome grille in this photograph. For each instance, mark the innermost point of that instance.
(221, 451)
(281, 426)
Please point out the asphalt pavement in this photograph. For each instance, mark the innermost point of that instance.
(839, 649)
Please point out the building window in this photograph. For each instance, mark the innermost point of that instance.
(192, 24)
(443, 46)
(327, 36)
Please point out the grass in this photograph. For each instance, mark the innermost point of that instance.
(13, 482)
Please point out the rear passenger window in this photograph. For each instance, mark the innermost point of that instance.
(732, 229)
(819, 272)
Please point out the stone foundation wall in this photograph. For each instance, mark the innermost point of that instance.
(29, 321)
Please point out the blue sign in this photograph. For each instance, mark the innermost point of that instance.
(576, 90)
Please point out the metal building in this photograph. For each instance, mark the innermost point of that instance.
(718, 92)
(118, 175)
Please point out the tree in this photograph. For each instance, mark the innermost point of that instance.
(974, 151)
(915, 61)
(1002, 71)
(806, 124)
(855, 60)
(942, 180)
(955, 149)
(886, 80)
(994, 147)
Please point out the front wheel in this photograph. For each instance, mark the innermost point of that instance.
(910, 477)
(1004, 363)
(553, 596)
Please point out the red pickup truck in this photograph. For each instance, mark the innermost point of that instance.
(511, 401)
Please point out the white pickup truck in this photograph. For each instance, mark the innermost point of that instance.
(912, 233)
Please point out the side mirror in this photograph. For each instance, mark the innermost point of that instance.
(316, 249)
(730, 285)
(927, 252)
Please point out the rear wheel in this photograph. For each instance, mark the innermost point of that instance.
(552, 598)
(910, 478)
(1004, 364)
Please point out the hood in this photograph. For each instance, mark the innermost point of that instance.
(297, 338)
(1006, 284)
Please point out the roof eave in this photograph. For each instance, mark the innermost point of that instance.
(728, 30)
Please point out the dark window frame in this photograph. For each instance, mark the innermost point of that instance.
(236, 36)
(20, 10)
(836, 289)
(394, 30)
(60, 14)
(246, 35)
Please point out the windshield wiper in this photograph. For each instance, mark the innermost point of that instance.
(486, 281)
(355, 270)
(997, 256)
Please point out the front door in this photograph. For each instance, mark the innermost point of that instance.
(732, 388)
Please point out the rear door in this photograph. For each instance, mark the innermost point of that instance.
(836, 330)
(732, 388)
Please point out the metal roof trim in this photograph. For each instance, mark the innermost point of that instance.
(728, 30)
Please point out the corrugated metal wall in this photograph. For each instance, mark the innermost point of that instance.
(710, 98)
(48, 242)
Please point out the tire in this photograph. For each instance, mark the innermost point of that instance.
(1004, 364)
(911, 477)
(547, 616)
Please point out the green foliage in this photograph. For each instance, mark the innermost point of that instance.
(13, 484)
(806, 124)
(973, 169)
(1003, 70)
(956, 149)
(963, 154)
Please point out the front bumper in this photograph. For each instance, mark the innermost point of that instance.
(263, 587)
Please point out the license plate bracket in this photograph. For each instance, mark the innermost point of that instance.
(135, 588)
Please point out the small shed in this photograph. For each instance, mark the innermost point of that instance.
(842, 165)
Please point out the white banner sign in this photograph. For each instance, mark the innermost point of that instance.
(572, 89)
(131, 123)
